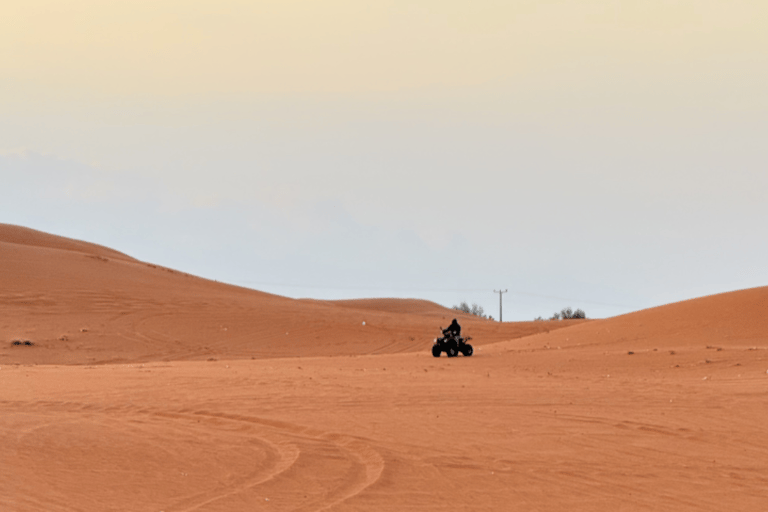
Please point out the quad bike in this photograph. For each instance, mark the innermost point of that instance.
(451, 345)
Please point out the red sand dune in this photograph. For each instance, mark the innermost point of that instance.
(82, 303)
(149, 389)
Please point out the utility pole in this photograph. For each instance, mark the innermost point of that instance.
(500, 292)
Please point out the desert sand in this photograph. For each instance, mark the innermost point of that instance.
(147, 389)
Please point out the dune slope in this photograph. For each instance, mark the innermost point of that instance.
(10, 234)
(734, 320)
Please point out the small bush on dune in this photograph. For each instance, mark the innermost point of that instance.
(472, 310)
(567, 314)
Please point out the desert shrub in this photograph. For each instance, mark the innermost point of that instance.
(463, 306)
(568, 314)
(474, 309)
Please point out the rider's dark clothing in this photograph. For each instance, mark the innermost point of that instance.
(454, 329)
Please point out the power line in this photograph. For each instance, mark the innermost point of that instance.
(372, 288)
(436, 290)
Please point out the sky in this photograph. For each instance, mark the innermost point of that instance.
(603, 155)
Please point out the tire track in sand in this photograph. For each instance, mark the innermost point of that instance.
(367, 464)
(319, 452)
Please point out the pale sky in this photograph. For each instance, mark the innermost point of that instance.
(608, 155)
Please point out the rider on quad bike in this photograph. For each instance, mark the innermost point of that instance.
(452, 343)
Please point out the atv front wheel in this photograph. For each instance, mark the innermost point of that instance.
(467, 350)
(451, 351)
(436, 351)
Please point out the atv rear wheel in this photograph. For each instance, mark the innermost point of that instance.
(436, 350)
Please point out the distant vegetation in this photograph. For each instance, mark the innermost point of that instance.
(565, 314)
(472, 310)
